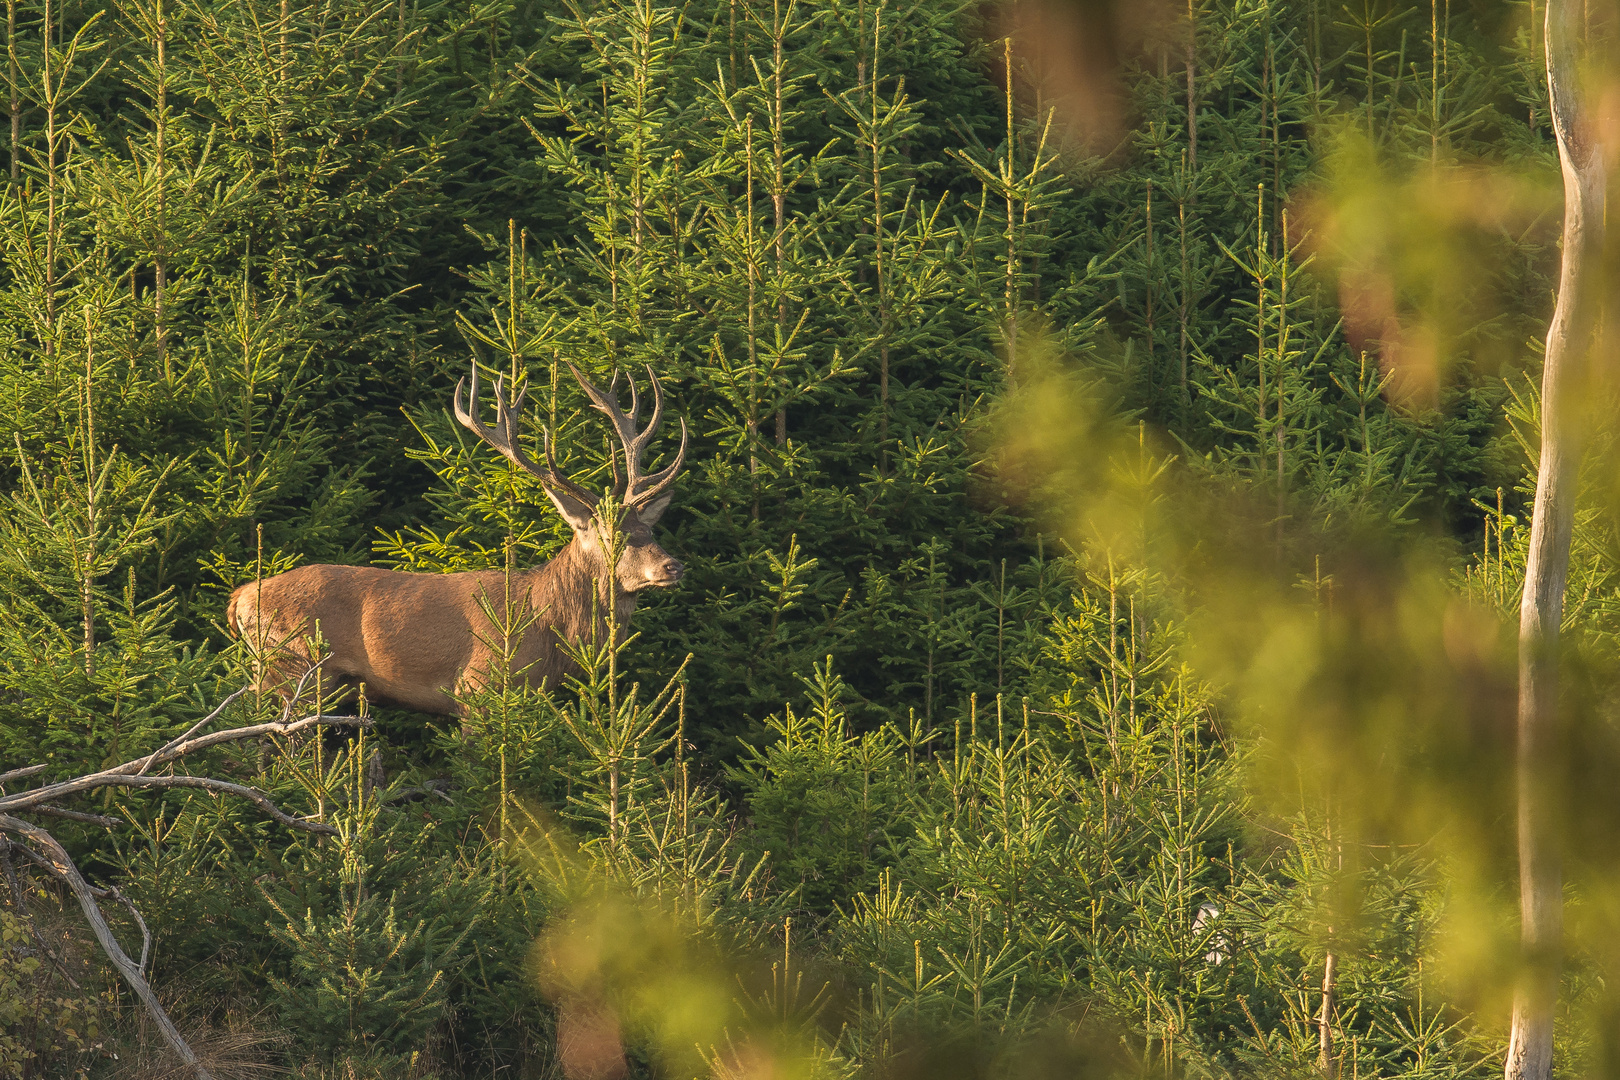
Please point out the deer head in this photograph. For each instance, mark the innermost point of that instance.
(642, 498)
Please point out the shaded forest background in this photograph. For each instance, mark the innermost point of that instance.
(1108, 468)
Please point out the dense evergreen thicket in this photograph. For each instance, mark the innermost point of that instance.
(1097, 418)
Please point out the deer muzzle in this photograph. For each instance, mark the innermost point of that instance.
(666, 573)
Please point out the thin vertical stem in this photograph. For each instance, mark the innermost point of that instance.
(399, 46)
(87, 577)
(878, 252)
(1181, 222)
(1330, 968)
(753, 295)
(1149, 272)
(1282, 360)
(510, 635)
(50, 192)
(1273, 89)
(1011, 289)
(13, 75)
(1316, 60)
(1501, 574)
(1367, 26)
(283, 31)
(686, 790)
(1434, 81)
(779, 192)
(1192, 93)
(261, 631)
(160, 265)
(1001, 625)
(1260, 311)
(1535, 60)
(320, 744)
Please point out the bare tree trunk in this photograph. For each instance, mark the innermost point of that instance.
(1324, 1018)
(1569, 342)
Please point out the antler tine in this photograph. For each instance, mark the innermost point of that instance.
(657, 414)
(506, 413)
(504, 438)
(637, 446)
(637, 489)
(623, 426)
(621, 484)
(469, 418)
(562, 481)
(654, 485)
(501, 437)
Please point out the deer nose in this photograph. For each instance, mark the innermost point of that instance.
(671, 570)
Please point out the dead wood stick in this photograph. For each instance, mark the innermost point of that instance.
(49, 854)
(103, 820)
(192, 730)
(132, 773)
(223, 787)
(56, 857)
(110, 892)
(22, 773)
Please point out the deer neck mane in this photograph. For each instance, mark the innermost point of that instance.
(564, 586)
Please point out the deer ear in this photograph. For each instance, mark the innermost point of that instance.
(576, 513)
(654, 510)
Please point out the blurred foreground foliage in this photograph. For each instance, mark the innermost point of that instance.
(1105, 515)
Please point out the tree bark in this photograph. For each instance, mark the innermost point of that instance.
(1563, 388)
(1324, 1018)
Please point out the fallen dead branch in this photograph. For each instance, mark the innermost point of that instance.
(35, 843)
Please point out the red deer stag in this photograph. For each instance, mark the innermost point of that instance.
(421, 640)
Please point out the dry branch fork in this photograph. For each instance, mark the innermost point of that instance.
(38, 846)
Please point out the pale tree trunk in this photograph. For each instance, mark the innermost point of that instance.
(1324, 1018)
(1563, 389)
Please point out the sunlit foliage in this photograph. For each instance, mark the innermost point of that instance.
(1113, 431)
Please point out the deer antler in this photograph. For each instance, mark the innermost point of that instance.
(635, 488)
(504, 437)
